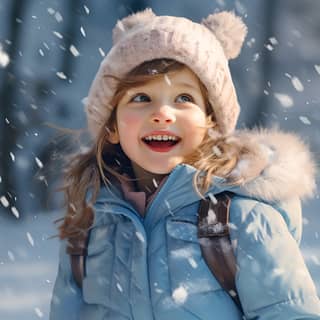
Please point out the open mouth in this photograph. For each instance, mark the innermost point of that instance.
(161, 143)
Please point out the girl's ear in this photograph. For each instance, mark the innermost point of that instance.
(131, 22)
(114, 136)
(229, 30)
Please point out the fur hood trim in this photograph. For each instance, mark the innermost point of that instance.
(276, 167)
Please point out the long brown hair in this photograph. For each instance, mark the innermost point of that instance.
(86, 171)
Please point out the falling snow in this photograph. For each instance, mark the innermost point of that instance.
(38, 312)
(15, 212)
(82, 32)
(46, 45)
(269, 47)
(305, 120)
(155, 183)
(102, 52)
(4, 58)
(11, 255)
(315, 260)
(256, 57)
(61, 75)
(58, 16)
(232, 293)
(12, 156)
(192, 262)
(213, 198)
(180, 295)
(121, 26)
(86, 9)
(212, 217)
(30, 239)
(297, 84)
(285, 100)
(167, 79)
(51, 11)
(57, 34)
(4, 201)
(273, 41)
(277, 272)
(140, 236)
(119, 287)
(251, 42)
(74, 51)
(39, 163)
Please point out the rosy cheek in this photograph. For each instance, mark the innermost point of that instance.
(199, 118)
(128, 120)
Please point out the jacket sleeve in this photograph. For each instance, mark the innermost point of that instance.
(66, 298)
(273, 281)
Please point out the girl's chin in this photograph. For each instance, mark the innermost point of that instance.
(154, 170)
(161, 169)
(156, 166)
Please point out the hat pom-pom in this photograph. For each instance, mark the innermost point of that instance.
(229, 29)
(129, 22)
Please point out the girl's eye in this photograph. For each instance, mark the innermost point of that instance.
(182, 98)
(140, 97)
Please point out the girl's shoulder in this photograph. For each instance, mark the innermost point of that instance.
(258, 219)
(275, 173)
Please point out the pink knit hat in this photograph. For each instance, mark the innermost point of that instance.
(204, 47)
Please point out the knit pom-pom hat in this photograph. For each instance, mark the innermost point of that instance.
(204, 47)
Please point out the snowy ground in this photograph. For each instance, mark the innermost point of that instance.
(28, 262)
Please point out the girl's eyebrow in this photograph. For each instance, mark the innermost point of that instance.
(185, 84)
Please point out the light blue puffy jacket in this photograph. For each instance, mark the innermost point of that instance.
(151, 268)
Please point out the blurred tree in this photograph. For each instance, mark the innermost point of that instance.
(262, 104)
(11, 127)
(67, 67)
(71, 35)
(16, 94)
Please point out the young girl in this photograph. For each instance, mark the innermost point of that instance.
(162, 112)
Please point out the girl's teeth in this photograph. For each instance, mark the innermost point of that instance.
(161, 138)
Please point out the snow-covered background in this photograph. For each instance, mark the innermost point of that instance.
(49, 54)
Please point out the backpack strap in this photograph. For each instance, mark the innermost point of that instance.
(214, 239)
(77, 249)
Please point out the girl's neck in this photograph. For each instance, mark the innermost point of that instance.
(147, 182)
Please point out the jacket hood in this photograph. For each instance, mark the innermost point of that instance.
(277, 167)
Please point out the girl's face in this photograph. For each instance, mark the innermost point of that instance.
(161, 122)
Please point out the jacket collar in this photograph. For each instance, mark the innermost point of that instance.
(277, 167)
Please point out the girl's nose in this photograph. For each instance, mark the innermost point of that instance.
(164, 114)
